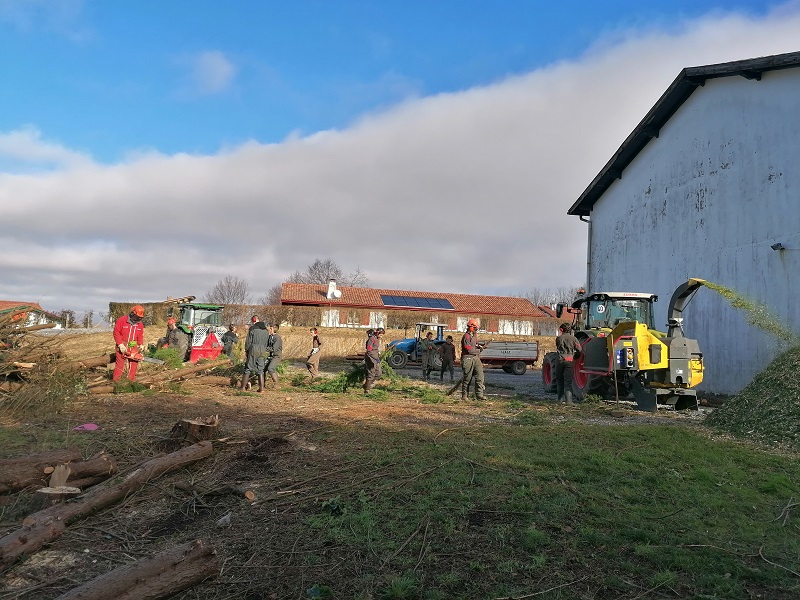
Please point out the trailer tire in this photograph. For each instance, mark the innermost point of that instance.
(507, 369)
(549, 372)
(518, 367)
(397, 359)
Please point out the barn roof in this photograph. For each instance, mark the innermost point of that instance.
(682, 87)
(309, 294)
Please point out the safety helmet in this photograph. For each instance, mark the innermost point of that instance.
(138, 310)
(171, 321)
(380, 330)
(254, 319)
(472, 323)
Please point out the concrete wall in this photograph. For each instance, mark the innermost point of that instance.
(706, 199)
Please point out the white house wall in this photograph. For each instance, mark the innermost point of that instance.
(706, 199)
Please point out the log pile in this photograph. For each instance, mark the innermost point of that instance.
(44, 526)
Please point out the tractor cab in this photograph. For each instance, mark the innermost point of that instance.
(202, 324)
(604, 311)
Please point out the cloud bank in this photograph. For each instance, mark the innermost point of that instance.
(463, 192)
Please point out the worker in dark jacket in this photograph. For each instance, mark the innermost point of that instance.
(229, 340)
(255, 348)
(567, 345)
(471, 365)
(372, 357)
(448, 352)
(427, 348)
(275, 351)
(312, 362)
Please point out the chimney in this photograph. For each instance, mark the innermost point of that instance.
(332, 291)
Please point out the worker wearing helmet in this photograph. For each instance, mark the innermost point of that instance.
(372, 357)
(175, 339)
(129, 341)
(567, 345)
(471, 364)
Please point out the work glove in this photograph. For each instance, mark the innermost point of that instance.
(122, 348)
(314, 350)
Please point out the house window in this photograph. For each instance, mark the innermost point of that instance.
(353, 318)
(461, 324)
(330, 317)
(514, 327)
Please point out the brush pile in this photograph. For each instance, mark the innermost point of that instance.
(768, 409)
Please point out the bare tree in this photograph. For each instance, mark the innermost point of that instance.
(68, 316)
(229, 290)
(88, 317)
(322, 271)
(272, 297)
(552, 296)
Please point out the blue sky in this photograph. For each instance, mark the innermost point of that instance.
(325, 129)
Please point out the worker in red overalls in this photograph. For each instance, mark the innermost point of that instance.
(129, 339)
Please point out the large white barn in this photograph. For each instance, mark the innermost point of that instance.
(708, 186)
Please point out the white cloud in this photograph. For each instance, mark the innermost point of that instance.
(26, 148)
(463, 192)
(210, 72)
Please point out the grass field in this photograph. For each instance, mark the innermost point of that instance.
(411, 494)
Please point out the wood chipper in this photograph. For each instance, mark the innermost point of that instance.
(622, 352)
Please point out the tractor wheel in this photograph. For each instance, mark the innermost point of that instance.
(397, 359)
(549, 372)
(584, 384)
(518, 367)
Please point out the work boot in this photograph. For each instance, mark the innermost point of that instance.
(260, 383)
(245, 380)
(568, 397)
(464, 397)
(480, 397)
(274, 377)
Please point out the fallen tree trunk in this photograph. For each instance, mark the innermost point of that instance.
(34, 533)
(19, 473)
(88, 363)
(151, 578)
(161, 378)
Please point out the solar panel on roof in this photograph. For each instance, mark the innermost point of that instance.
(416, 302)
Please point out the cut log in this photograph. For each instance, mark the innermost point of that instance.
(455, 387)
(19, 473)
(91, 471)
(59, 476)
(88, 363)
(94, 500)
(151, 578)
(26, 540)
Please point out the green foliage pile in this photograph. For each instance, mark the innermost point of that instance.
(768, 409)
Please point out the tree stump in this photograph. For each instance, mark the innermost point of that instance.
(50, 496)
(195, 430)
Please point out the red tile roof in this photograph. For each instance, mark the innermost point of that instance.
(9, 304)
(310, 294)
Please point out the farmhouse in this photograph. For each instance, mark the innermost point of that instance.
(28, 313)
(372, 307)
(707, 186)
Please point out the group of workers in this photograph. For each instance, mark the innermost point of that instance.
(264, 350)
(470, 359)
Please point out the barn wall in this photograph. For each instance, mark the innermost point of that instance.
(706, 199)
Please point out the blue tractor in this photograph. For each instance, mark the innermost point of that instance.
(408, 350)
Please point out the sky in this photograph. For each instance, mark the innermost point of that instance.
(150, 149)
